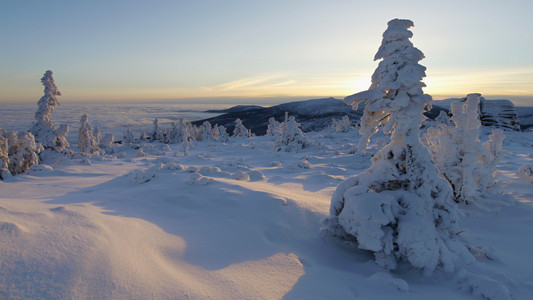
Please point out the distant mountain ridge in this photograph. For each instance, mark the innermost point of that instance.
(313, 115)
(316, 114)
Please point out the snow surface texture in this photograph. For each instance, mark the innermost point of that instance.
(400, 209)
(44, 129)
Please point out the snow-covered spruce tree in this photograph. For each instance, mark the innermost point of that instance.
(240, 131)
(43, 129)
(290, 137)
(400, 209)
(24, 154)
(86, 140)
(461, 158)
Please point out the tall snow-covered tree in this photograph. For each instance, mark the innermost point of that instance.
(86, 140)
(43, 129)
(400, 209)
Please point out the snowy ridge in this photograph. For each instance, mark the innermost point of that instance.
(313, 115)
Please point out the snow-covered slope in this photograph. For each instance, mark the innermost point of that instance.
(233, 221)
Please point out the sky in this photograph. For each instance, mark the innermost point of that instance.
(256, 51)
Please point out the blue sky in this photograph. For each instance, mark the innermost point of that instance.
(157, 50)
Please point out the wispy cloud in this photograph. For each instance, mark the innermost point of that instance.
(253, 83)
(489, 80)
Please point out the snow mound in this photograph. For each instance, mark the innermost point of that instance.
(385, 281)
(198, 179)
(482, 286)
(526, 173)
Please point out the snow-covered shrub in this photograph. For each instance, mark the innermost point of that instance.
(290, 137)
(526, 172)
(106, 143)
(43, 129)
(86, 140)
(273, 127)
(240, 131)
(461, 158)
(342, 125)
(24, 154)
(400, 209)
(143, 137)
(128, 137)
(242, 176)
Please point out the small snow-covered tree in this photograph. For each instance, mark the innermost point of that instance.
(158, 134)
(129, 138)
(24, 154)
(97, 135)
(223, 134)
(86, 140)
(205, 131)
(106, 143)
(43, 129)
(342, 125)
(461, 158)
(4, 156)
(187, 141)
(177, 131)
(400, 209)
(273, 127)
(290, 137)
(240, 130)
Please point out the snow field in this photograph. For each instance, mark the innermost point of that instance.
(230, 221)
